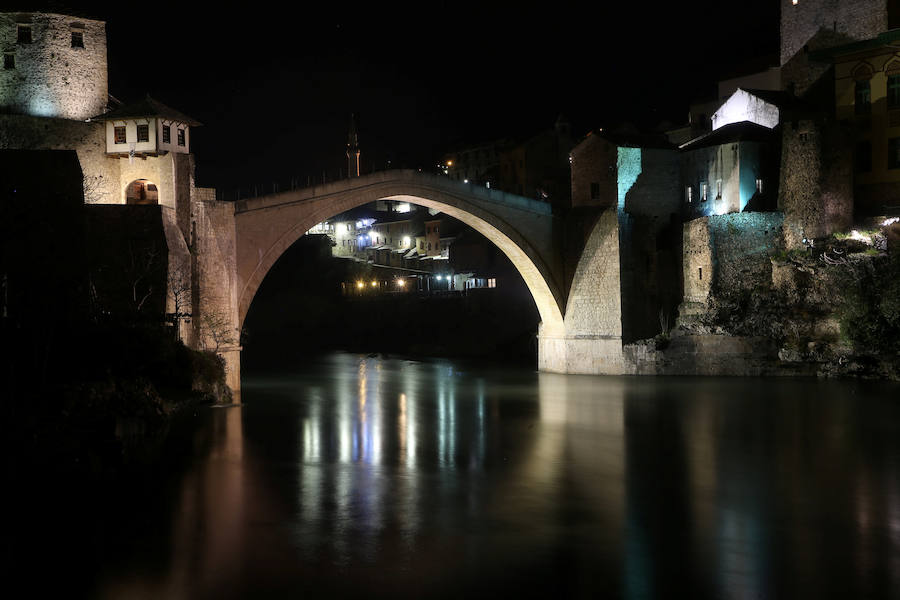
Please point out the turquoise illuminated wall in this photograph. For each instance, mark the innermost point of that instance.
(628, 165)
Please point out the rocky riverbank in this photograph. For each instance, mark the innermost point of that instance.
(831, 310)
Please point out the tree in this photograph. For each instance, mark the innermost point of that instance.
(178, 289)
(216, 324)
(94, 191)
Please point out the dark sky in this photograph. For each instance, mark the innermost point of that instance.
(274, 89)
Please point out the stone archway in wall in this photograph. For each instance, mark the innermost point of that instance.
(142, 191)
(521, 253)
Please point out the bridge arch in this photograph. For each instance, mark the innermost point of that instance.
(522, 229)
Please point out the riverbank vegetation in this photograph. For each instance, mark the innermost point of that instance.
(101, 399)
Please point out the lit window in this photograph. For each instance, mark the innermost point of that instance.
(77, 39)
(492, 282)
(794, 2)
(143, 133)
(893, 91)
(167, 134)
(759, 185)
(863, 97)
(9, 61)
(704, 191)
(180, 137)
(718, 189)
(689, 194)
(23, 34)
(119, 132)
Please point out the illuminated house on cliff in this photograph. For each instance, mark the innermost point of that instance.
(734, 168)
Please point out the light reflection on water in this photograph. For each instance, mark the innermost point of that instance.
(365, 476)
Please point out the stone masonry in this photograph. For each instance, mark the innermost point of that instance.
(53, 76)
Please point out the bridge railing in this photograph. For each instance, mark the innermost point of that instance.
(296, 182)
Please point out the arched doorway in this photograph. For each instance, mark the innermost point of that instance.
(141, 191)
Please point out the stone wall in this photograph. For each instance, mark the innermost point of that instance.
(697, 261)
(592, 341)
(215, 306)
(853, 19)
(727, 256)
(51, 78)
(742, 244)
(593, 164)
(816, 188)
(651, 204)
(101, 174)
(711, 355)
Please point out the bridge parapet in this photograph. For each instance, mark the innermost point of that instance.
(399, 177)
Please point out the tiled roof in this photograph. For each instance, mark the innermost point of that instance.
(148, 107)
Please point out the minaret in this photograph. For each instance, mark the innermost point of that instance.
(352, 149)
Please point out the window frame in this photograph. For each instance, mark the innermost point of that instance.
(21, 29)
(120, 129)
(893, 154)
(144, 129)
(862, 89)
(893, 90)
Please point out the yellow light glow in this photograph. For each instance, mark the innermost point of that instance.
(359, 284)
(401, 282)
(374, 283)
(449, 163)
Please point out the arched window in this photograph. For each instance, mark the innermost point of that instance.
(892, 71)
(141, 191)
(862, 94)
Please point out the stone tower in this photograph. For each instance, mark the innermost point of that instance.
(840, 20)
(816, 24)
(352, 149)
(53, 65)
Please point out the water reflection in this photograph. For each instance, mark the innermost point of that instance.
(408, 478)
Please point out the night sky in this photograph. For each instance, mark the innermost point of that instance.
(275, 89)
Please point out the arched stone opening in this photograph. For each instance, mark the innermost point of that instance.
(141, 191)
(523, 256)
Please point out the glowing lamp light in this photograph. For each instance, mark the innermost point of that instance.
(449, 163)
(401, 282)
(406, 240)
(439, 278)
(861, 237)
(374, 284)
(360, 284)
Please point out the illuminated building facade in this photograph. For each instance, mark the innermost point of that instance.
(867, 102)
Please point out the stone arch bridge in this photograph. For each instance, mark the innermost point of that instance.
(580, 329)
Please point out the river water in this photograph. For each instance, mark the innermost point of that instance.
(362, 476)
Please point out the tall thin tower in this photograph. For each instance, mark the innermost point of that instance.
(352, 149)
